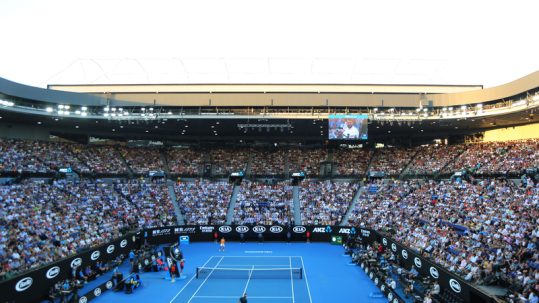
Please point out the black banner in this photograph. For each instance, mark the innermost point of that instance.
(427, 268)
(34, 285)
(379, 281)
(253, 233)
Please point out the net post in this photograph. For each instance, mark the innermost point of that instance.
(301, 272)
(197, 273)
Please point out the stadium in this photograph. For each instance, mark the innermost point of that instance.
(278, 191)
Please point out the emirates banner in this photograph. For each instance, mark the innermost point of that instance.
(33, 286)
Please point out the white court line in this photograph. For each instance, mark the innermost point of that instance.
(255, 265)
(258, 256)
(204, 281)
(235, 297)
(248, 280)
(188, 282)
(291, 280)
(306, 280)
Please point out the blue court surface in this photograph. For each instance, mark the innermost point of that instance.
(267, 272)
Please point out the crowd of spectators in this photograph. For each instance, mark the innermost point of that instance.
(142, 160)
(261, 203)
(306, 160)
(391, 160)
(498, 157)
(484, 230)
(36, 156)
(226, 161)
(268, 162)
(185, 161)
(203, 202)
(351, 162)
(430, 159)
(325, 203)
(42, 222)
(101, 159)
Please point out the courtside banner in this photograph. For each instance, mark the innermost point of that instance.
(33, 286)
(250, 232)
(426, 268)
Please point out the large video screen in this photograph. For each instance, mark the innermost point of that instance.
(348, 127)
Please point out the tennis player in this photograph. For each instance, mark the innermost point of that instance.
(222, 245)
(182, 264)
(243, 299)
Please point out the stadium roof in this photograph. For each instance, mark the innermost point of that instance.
(210, 41)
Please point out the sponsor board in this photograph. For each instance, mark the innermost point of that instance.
(242, 229)
(206, 229)
(162, 232)
(24, 284)
(225, 229)
(276, 229)
(259, 229)
(95, 255)
(434, 272)
(76, 262)
(184, 230)
(53, 272)
(404, 254)
(299, 229)
(455, 285)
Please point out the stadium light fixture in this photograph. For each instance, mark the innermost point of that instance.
(61, 106)
(113, 109)
(66, 106)
(60, 112)
(84, 108)
(78, 112)
(106, 109)
(463, 107)
(84, 114)
(49, 109)
(479, 105)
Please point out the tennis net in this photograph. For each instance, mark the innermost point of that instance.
(249, 273)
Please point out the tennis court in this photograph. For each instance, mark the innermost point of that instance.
(272, 279)
(297, 272)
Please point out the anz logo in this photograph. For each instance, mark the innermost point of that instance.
(259, 229)
(109, 285)
(24, 284)
(123, 243)
(393, 247)
(384, 241)
(97, 292)
(417, 262)
(95, 255)
(110, 249)
(390, 296)
(83, 299)
(276, 229)
(299, 229)
(53, 272)
(242, 229)
(455, 285)
(225, 229)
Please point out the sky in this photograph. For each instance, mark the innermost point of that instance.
(472, 42)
